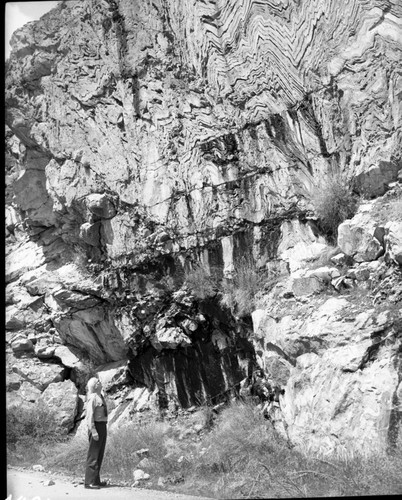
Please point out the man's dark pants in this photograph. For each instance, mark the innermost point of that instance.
(95, 454)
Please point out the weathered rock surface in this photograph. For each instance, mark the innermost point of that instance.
(62, 398)
(340, 349)
(143, 138)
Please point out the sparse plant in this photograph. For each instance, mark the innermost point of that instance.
(239, 293)
(333, 203)
(27, 429)
(203, 282)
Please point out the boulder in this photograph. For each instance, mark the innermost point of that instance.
(44, 350)
(393, 241)
(94, 332)
(37, 373)
(340, 259)
(324, 274)
(22, 344)
(100, 205)
(140, 475)
(66, 356)
(307, 285)
(169, 338)
(62, 399)
(356, 238)
(90, 233)
(373, 181)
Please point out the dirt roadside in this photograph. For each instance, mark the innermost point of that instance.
(33, 485)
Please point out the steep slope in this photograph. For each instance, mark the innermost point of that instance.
(144, 137)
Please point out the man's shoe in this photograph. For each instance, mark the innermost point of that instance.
(102, 484)
(92, 487)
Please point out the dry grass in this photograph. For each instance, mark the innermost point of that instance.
(241, 292)
(25, 427)
(240, 456)
(202, 282)
(333, 203)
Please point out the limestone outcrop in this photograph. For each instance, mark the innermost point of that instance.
(145, 141)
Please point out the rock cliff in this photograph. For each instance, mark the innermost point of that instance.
(146, 140)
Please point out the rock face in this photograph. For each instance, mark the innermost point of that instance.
(144, 139)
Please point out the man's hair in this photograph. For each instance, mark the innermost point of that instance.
(91, 385)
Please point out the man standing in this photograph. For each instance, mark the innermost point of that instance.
(97, 431)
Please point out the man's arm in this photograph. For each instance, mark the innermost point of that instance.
(90, 417)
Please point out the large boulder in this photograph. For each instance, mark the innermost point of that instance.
(101, 206)
(37, 373)
(62, 399)
(94, 332)
(360, 237)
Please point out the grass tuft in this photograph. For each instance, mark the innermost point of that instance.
(239, 294)
(202, 281)
(333, 203)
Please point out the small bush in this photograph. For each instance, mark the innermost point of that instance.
(36, 424)
(29, 431)
(333, 203)
(239, 294)
(202, 282)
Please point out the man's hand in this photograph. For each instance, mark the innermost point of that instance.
(95, 435)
